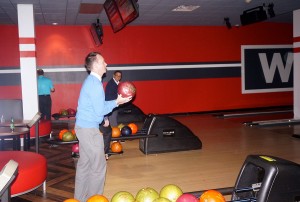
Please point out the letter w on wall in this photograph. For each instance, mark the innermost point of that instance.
(267, 68)
(277, 61)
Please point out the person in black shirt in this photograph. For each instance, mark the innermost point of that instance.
(111, 93)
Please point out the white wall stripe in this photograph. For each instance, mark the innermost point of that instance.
(27, 47)
(13, 71)
(82, 69)
(297, 45)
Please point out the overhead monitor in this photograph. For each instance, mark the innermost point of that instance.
(128, 10)
(113, 15)
(121, 12)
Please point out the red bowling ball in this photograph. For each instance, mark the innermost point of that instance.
(187, 198)
(75, 148)
(71, 111)
(126, 89)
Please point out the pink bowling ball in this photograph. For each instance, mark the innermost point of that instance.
(75, 148)
(187, 198)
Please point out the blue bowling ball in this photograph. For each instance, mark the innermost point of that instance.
(126, 130)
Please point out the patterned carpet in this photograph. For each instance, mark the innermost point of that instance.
(61, 175)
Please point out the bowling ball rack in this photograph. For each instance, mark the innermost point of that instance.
(224, 191)
(58, 116)
(76, 155)
(141, 134)
(228, 191)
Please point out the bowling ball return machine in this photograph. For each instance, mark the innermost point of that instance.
(130, 113)
(265, 178)
(268, 179)
(171, 136)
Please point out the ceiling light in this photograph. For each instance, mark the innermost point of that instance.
(185, 8)
(54, 23)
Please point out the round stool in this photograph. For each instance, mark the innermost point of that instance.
(45, 128)
(32, 170)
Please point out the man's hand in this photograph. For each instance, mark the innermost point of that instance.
(106, 123)
(121, 100)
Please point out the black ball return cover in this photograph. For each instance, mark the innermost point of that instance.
(172, 136)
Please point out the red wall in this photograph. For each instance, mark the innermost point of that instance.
(68, 45)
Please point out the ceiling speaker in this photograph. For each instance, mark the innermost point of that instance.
(253, 15)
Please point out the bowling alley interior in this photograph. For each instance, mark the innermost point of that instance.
(214, 114)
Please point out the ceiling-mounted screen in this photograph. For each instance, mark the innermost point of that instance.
(120, 12)
(113, 15)
(128, 10)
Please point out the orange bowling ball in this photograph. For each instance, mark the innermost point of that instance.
(61, 133)
(115, 132)
(116, 147)
(97, 198)
(212, 196)
(134, 127)
(71, 200)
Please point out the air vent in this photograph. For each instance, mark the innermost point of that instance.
(184, 8)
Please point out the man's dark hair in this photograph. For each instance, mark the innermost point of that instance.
(117, 71)
(90, 59)
(40, 72)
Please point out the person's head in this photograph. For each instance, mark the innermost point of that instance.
(94, 62)
(40, 72)
(117, 75)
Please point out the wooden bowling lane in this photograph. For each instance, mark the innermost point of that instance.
(226, 144)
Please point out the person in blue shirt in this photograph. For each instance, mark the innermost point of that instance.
(91, 109)
(45, 87)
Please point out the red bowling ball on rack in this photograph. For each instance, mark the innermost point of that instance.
(187, 198)
(75, 148)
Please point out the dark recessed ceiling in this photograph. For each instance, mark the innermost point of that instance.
(87, 8)
(152, 12)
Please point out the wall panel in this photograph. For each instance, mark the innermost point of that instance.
(61, 49)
